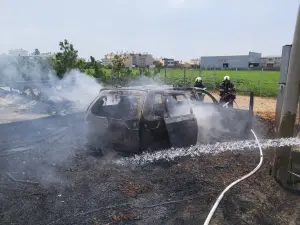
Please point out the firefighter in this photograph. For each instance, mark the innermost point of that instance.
(227, 92)
(199, 84)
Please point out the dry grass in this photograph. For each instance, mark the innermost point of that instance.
(133, 188)
(123, 216)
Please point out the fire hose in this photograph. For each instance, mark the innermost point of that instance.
(212, 211)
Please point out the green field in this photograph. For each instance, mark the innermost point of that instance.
(262, 83)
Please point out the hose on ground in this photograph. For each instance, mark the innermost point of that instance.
(212, 211)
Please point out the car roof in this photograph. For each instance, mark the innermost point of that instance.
(169, 89)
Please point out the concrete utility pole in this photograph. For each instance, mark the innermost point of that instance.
(284, 66)
(289, 109)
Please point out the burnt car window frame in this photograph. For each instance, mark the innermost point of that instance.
(187, 102)
(149, 102)
(139, 95)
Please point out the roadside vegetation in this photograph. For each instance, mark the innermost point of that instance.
(262, 83)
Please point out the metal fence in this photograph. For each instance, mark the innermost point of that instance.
(262, 83)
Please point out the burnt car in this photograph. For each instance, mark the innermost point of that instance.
(134, 120)
(138, 119)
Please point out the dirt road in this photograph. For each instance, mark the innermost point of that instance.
(263, 107)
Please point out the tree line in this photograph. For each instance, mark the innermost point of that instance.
(38, 68)
(68, 59)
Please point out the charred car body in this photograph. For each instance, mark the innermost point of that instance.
(138, 119)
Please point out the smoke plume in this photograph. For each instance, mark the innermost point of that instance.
(40, 145)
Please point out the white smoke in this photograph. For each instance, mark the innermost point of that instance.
(209, 123)
(209, 119)
(49, 144)
(20, 73)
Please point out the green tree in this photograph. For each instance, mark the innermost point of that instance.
(81, 64)
(158, 67)
(118, 64)
(96, 67)
(65, 60)
(93, 60)
(145, 71)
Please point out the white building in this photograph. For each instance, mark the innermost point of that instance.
(269, 62)
(167, 62)
(139, 59)
(231, 61)
(18, 52)
(131, 59)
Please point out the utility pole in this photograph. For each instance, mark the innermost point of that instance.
(184, 74)
(289, 109)
(165, 74)
(284, 66)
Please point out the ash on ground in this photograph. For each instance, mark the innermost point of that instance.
(47, 178)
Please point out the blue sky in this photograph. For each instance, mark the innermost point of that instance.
(181, 29)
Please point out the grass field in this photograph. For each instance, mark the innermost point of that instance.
(262, 83)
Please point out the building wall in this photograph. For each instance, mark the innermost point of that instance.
(270, 62)
(128, 61)
(254, 57)
(231, 62)
(149, 60)
(193, 63)
(218, 62)
(142, 59)
(168, 62)
(108, 59)
(131, 59)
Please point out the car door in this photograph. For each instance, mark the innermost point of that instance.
(153, 130)
(180, 121)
